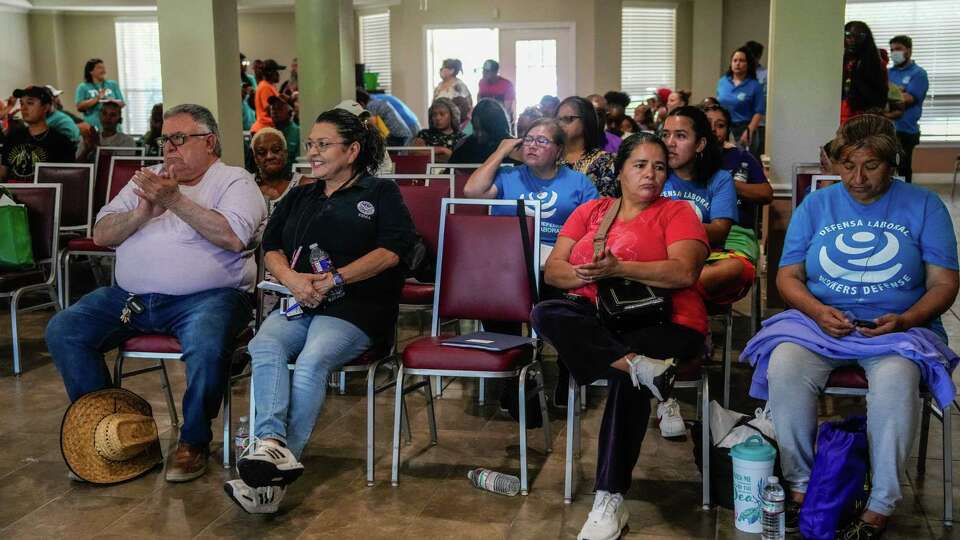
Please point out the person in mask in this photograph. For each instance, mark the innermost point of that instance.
(913, 84)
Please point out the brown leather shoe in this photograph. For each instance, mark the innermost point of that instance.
(186, 463)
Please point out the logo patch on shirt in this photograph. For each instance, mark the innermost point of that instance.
(742, 96)
(906, 79)
(366, 209)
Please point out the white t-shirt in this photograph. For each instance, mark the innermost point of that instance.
(168, 256)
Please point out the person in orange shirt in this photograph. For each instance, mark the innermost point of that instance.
(265, 90)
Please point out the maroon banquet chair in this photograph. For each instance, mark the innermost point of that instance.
(162, 348)
(482, 274)
(43, 213)
(410, 159)
(76, 213)
(852, 381)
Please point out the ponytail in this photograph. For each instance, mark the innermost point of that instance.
(360, 131)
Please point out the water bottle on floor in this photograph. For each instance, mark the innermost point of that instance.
(242, 437)
(773, 510)
(494, 481)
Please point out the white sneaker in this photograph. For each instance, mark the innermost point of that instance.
(607, 519)
(264, 500)
(671, 423)
(269, 465)
(657, 375)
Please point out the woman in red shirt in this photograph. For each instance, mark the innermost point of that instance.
(654, 240)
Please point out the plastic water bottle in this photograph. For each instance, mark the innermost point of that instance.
(742, 172)
(320, 262)
(773, 510)
(242, 437)
(504, 484)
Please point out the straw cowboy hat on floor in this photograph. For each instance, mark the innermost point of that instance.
(109, 436)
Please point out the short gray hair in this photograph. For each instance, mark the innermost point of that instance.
(200, 115)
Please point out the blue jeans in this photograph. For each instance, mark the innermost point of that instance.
(287, 407)
(205, 323)
(797, 375)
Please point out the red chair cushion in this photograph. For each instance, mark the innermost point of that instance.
(848, 377)
(158, 343)
(428, 353)
(85, 244)
(152, 343)
(420, 294)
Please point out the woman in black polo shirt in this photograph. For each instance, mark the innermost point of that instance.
(348, 308)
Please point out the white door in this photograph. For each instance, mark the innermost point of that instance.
(539, 61)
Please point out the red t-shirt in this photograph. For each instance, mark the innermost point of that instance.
(644, 238)
(500, 90)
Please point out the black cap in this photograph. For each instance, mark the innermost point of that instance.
(271, 65)
(40, 92)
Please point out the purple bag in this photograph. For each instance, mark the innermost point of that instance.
(837, 479)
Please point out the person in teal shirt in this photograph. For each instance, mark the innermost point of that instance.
(282, 115)
(249, 114)
(94, 89)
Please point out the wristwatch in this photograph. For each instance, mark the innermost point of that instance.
(337, 279)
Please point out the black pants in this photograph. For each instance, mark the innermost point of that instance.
(908, 141)
(588, 348)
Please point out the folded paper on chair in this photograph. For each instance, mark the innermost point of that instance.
(488, 341)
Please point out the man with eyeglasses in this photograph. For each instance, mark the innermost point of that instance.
(185, 232)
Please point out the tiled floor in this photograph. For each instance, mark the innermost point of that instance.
(331, 500)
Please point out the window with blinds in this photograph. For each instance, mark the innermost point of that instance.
(138, 71)
(647, 48)
(934, 26)
(375, 46)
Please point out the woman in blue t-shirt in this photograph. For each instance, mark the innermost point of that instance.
(864, 262)
(94, 89)
(739, 92)
(696, 176)
(753, 189)
(559, 188)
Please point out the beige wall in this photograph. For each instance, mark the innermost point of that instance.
(15, 62)
(745, 20)
(268, 35)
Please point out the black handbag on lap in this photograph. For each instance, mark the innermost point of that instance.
(625, 304)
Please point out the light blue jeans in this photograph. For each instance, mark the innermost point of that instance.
(288, 402)
(797, 376)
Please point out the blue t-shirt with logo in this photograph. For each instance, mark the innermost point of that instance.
(87, 91)
(914, 79)
(742, 100)
(870, 259)
(558, 197)
(715, 200)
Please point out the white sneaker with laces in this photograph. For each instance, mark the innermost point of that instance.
(607, 520)
(671, 423)
(269, 465)
(264, 500)
(657, 375)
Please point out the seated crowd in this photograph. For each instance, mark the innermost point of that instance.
(669, 197)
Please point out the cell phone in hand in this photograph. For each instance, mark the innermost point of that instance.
(862, 323)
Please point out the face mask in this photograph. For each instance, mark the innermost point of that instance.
(898, 57)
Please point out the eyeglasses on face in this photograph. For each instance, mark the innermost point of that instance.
(178, 139)
(320, 146)
(569, 119)
(536, 141)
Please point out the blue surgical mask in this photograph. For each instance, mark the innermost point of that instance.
(898, 57)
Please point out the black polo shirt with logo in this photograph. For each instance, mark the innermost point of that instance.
(365, 215)
(21, 151)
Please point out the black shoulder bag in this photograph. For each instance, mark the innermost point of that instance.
(625, 304)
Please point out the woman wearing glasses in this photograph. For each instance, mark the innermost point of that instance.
(559, 189)
(583, 151)
(345, 304)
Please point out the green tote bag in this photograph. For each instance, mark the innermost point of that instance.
(16, 249)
